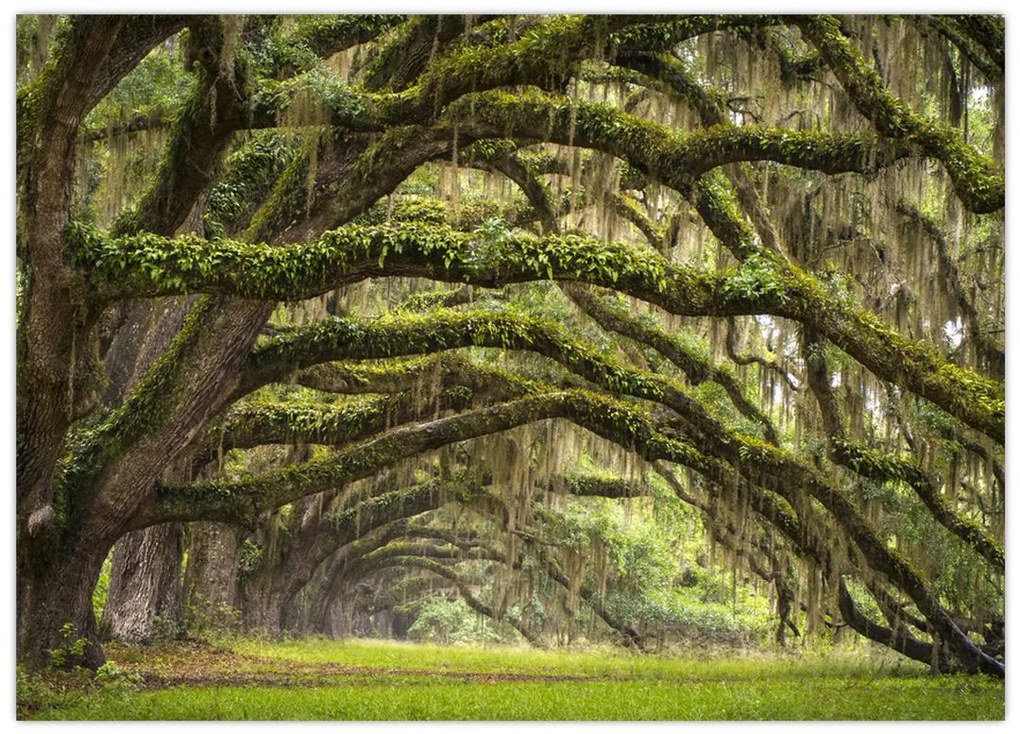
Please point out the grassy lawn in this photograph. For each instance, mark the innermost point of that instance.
(323, 680)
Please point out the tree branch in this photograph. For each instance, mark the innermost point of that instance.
(872, 465)
(147, 265)
(979, 182)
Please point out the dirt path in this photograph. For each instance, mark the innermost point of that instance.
(201, 664)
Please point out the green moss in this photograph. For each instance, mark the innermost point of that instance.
(248, 176)
(92, 449)
(979, 182)
(875, 465)
(150, 265)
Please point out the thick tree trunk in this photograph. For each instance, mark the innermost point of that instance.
(334, 620)
(145, 600)
(330, 614)
(210, 579)
(140, 333)
(262, 603)
(55, 614)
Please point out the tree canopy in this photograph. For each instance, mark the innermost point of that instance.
(396, 296)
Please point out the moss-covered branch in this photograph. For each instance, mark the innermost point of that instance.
(696, 366)
(244, 498)
(548, 54)
(112, 466)
(634, 213)
(149, 265)
(331, 540)
(594, 601)
(257, 424)
(759, 464)
(137, 37)
(979, 182)
(898, 639)
(874, 465)
(325, 35)
(717, 206)
(988, 31)
(976, 55)
(416, 44)
(676, 159)
(770, 362)
(395, 376)
(199, 138)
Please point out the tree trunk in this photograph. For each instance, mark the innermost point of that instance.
(56, 623)
(262, 603)
(210, 580)
(335, 620)
(145, 601)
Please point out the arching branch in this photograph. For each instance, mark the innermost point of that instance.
(444, 369)
(873, 465)
(147, 265)
(978, 180)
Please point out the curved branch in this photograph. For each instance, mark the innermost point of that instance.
(674, 158)
(238, 501)
(697, 368)
(325, 35)
(752, 358)
(417, 43)
(988, 31)
(759, 464)
(896, 639)
(953, 33)
(872, 465)
(445, 369)
(200, 138)
(148, 265)
(260, 424)
(592, 599)
(466, 593)
(979, 182)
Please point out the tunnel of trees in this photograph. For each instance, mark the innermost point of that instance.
(324, 322)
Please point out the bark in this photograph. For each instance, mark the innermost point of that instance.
(262, 603)
(407, 56)
(145, 600)
(54, 341)
(897, 639)
(54, 610)
(55, 309)
(979, 182)
(210, 579)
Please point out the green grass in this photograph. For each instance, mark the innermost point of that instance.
(321, 680)
(617, 663)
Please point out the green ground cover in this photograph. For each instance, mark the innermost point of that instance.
(322, 680)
